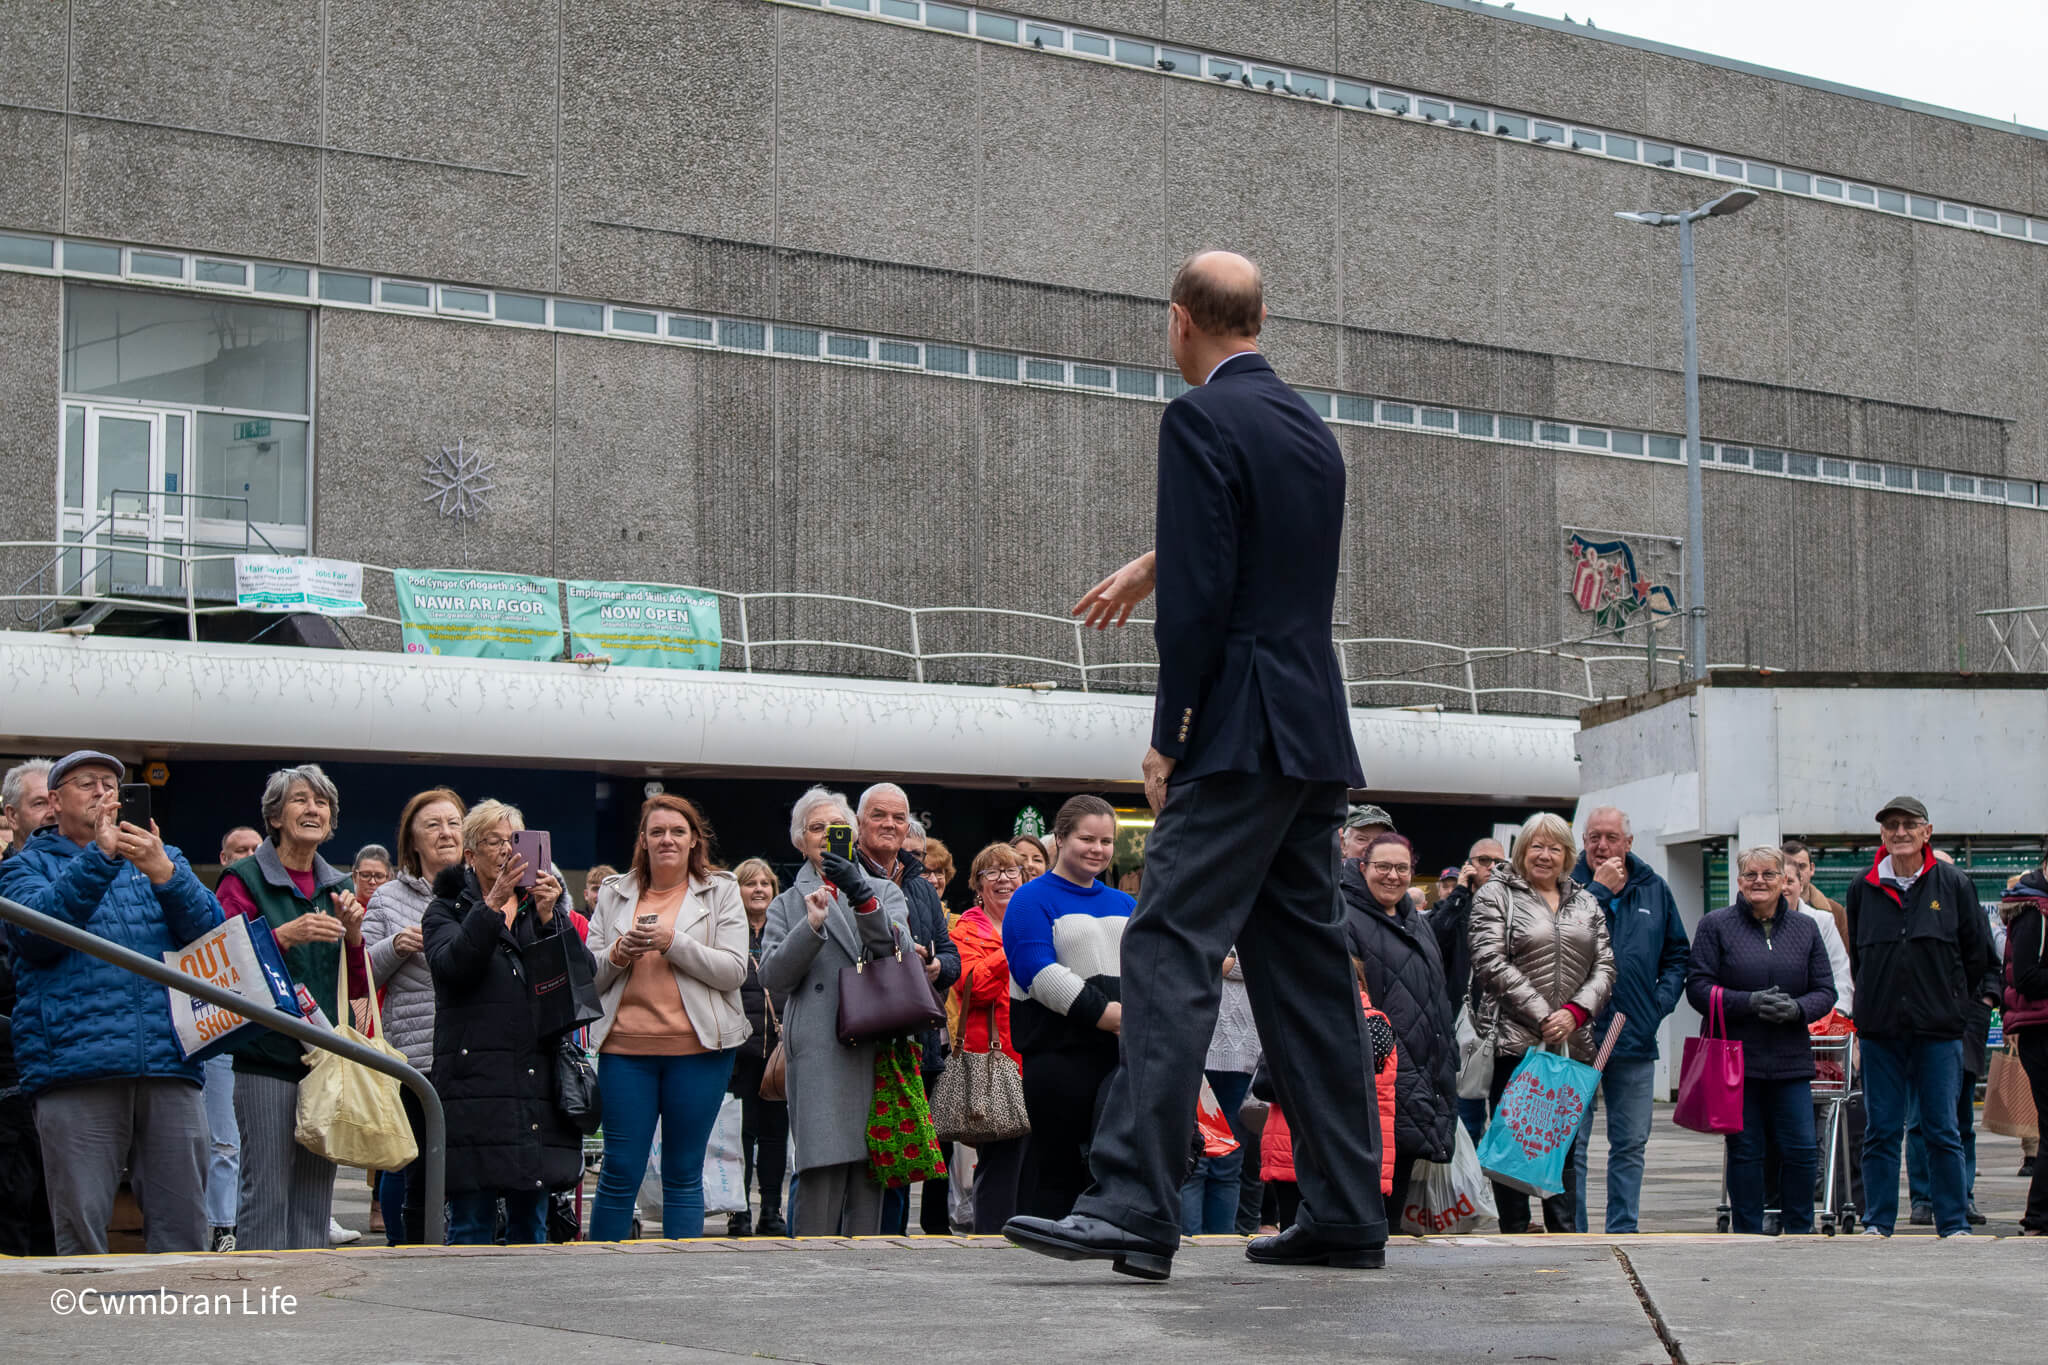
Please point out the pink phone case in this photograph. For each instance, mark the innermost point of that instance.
(533, 845)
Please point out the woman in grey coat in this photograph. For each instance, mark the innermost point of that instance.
(815, 928)
(429, 841)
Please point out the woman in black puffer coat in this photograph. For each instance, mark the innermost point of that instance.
(506, 1137)
(1404, 974)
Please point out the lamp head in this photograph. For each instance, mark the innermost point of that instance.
(1732, 202)
(1650, 219)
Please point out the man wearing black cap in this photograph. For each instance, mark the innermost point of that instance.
(97, 1052)
(1920, 951)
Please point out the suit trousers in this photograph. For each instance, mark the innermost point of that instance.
(1248, 859)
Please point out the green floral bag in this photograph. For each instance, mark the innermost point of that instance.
(902, 1147)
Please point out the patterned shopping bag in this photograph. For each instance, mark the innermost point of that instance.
(903, 1149)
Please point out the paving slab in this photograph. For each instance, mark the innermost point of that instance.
(1847, 1298)
(838, 1302)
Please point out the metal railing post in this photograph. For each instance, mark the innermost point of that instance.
(916, 649)
(291, 1025)
(188, 572)
(1081, 654)
(746, 638)
(1471, 684)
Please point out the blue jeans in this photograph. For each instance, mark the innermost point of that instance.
(1931, 1072)
(1208, 1200)
(1626, 1085)
(473, 1218)
(684, 1093)
(224, 1162)
(1966, 1130)
(390, 1197)
(1780, 1114)
(1472, 1113)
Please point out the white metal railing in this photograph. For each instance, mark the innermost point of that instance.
(1466, 675)
(2019, 637)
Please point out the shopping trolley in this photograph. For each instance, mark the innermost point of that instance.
(1835, 1085)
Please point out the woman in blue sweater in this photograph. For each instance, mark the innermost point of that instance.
(1061, 935)
(1771, 969)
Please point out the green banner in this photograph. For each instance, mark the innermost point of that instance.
(643, 626)
(475, 615)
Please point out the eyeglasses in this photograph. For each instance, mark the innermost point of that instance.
(1484, 860)
(1761, 876)
(1003, 874)
(1904, 824)
(491, 843)
(1390, 869)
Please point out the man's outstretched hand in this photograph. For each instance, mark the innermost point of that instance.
(1110, 602)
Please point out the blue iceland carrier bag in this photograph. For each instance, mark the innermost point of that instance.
(1530, 1135)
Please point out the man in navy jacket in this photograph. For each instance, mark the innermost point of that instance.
(1650, 956)
(1250, 761)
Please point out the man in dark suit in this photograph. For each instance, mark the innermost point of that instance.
(1250, 761)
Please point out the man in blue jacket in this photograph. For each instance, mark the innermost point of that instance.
(94, 1043)
(1650, 957)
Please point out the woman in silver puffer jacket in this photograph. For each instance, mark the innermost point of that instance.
(429, 840)
(1543, 968)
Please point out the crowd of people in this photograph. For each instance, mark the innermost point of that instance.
(719, 986)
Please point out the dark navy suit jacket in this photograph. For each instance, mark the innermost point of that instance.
(1251, 512)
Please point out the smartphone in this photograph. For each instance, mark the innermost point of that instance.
(135, 804)
(839, 839)
(534, 846)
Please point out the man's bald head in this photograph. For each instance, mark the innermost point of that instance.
(1223, 294)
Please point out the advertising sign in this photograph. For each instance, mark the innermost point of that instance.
(642, 625)
(329, 587)
(473, 615)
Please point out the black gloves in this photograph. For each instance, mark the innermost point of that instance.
(1773, 1006)
(848, 878)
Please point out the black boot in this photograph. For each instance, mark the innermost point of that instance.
(771, 1224)
(740, 1225)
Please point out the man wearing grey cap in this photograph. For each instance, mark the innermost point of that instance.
(1363, 825)
(94, 1043)
(1920, 951)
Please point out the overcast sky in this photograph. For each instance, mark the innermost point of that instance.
(1982, 56)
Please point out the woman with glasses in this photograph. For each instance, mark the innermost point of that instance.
(1770, 969)
(507, 1139)
(1405, 978)
(1541, 969)
(984, 992)
(1063, 935)
(938, 869)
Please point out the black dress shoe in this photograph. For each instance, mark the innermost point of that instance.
(1298, 1246)
(1078, 1237)
(771, 1225)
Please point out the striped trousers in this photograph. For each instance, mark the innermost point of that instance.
(287, 1193)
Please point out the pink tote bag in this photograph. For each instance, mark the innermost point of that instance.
(1710, 1078)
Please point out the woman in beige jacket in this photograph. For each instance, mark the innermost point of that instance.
(670, 941)
(1542, 965)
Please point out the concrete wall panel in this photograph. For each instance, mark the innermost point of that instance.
(229, 66)
(440, 222)
(672, 269)
(1260, 177)
(32, 60)
(668, 116)
(392, 390)
(878, 149)
(1073, 174)
(147, 185)
(1300, 31)
(32, 170)
(31, 437)
(1420, 243)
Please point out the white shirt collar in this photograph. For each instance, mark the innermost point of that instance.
(1225, 361)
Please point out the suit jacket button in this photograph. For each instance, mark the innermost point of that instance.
(819, 988)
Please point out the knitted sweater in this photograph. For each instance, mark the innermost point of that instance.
(1062, 942)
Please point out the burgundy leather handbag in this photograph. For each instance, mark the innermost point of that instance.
(886, 997)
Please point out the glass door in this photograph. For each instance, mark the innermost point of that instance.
(124, 494)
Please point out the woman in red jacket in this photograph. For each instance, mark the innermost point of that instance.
(984, 995)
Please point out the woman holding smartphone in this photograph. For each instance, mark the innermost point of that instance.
(670, 939)
(507, 1139)
(816, 927)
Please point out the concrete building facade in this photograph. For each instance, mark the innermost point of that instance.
(866, 297)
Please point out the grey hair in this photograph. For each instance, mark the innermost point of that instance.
(10, 785)
(917, 829)
(881, 789)
(280, 786)
(1626, 827)
(372, 853)
(800, 813)
(1762, 853)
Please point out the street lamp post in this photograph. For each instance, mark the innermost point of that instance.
(1695, 509)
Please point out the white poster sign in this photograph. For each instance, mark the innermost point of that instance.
(328, 587)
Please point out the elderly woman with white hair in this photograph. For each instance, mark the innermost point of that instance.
(1543, 967)
(287, 1193)
(820, 924)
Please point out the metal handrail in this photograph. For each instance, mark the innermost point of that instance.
(435, 1147)
(84, 544)
(1464, 662)
(2009, 652)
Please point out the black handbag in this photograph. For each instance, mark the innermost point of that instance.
(576, 1093)
(563, 990)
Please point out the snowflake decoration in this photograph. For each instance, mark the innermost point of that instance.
(461, 482)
